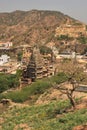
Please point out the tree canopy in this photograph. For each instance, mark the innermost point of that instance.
(8, 81)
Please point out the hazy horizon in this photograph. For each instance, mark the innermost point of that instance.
(74, 8)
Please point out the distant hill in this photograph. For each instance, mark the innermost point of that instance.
(35, 26)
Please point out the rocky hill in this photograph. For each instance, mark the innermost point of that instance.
(34, 26)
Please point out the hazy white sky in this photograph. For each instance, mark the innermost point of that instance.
(74, 8)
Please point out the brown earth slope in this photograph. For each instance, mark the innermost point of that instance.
(33, 26)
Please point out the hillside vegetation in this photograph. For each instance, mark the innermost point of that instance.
(25, 114)
(31, 27)
(51, 116)
(34, 90)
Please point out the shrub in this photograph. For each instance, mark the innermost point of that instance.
(45, 50)
(43, 117)
(8, 81)
(82, 39)
(36, 88)
(64, 37)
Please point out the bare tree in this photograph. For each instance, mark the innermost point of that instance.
(75, 77)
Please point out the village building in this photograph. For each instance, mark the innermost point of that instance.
(6, 45)
(10, 67)
(4, 59)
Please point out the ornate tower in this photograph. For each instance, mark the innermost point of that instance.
(35, 66)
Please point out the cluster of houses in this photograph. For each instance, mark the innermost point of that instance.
(34, 65)
(7, 65)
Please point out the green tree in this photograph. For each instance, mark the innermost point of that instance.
(45, 50)
(82, 39)
(8, 81)
(19, 56)
(3, 84)
(64, 37)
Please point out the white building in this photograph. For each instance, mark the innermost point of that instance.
(55, 51)
(4, 59)
(5, 45)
